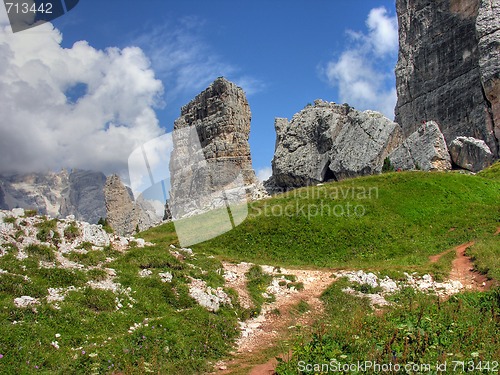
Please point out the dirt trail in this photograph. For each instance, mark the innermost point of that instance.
(269, 327)
(462, 268)
(263, 332)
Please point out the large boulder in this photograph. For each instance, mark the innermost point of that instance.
(424, 149)
(329, 141)
(448, 68)
(471, 153)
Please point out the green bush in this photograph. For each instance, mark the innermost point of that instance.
(9, 220)
(387, 167)
(47, 231)
(90, 258)
(41, 252)
(257, 283)
(71, 231)
(96, 300)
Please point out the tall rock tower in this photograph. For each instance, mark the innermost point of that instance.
(219, 117)
(449, 68)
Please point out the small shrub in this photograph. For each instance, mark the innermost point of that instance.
(47, 231)
(257, 283)
(60, 277)
(105, 225)
(85, 246)
(249, 313)
(367, 288)
(30, 213)
(97, 274)
(71, 231)
(387, 167)
(9, 220)
(90, 258)
(297, 286)
(95, 299)
(302, 307)
(41, 252)
(19, 234)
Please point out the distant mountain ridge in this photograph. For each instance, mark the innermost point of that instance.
(76, 192)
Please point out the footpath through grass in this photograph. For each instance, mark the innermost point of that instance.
(419, 333)
(391, 220)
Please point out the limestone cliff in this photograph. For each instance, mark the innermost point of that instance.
(448, 68)
(328, 141)
(76, 192)
(124, 214)
(218, 120)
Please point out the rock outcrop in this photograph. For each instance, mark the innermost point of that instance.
(79, 193)
(211, 150)
(470, 153)
(488, 34)
(328, 141)
(448, 68)
(124, 214)
(424, 149)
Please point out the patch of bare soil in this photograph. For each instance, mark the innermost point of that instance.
(262, 332)
(463, 270)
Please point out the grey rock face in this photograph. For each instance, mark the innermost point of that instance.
(470, 153)
(3, 205)
(219, 118)
(78, 193)
(488, 34)
(328, 141)
(424, 149)
(448, 67)
(124, 214)
(85, 198)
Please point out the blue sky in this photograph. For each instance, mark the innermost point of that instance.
(284, 54)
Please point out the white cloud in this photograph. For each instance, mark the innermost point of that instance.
(364, 72)
(250, 85)
(41, 128)
(185, 61)
(383, 31)
(264, 173)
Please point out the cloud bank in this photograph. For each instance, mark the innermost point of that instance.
(184, 60)
(364, 72)
(76, 107)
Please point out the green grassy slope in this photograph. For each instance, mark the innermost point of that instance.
(147, 326)
(492, 172)
(406, 217)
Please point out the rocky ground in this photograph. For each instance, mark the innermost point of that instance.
(264, 330)
(63, 243)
